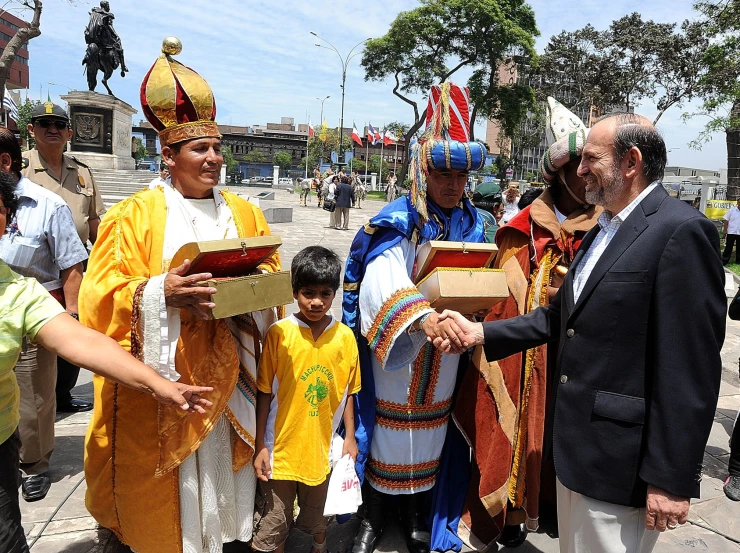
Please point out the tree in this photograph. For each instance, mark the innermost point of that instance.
(283, 160)
(358, 165)
(321, 146)
(375, 165)
(629, 62)
(21, 36)
(24, 118)
(255, 156)
(229, 161)
(140, 152)
(481, 35)
(720, 86)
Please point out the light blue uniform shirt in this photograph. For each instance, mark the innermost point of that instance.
(42, 239)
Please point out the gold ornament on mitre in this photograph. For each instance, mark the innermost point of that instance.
(176, 100)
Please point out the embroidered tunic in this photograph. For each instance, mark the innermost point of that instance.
(413, 382)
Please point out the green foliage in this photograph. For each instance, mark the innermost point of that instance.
(229, 161)
(631, 61)
(283, 160)
(319, 149)
(430, 43)
(255, 156)
(358, 165)
(375, 165)
(140, 152)
(24, 118)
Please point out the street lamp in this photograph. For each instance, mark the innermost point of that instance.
(345, 63)
(63, 86)
(321, 120)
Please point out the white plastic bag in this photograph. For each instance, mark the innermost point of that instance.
(344, 495)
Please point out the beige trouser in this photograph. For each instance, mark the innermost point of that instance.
(587, 525)
(342, 217)
(333, 218)
(36, 372)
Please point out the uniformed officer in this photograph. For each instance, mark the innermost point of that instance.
(71, 179)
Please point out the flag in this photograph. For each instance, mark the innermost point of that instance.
(311, 131)
(322, 133)
(389, 138)
(376, 136)
(356, 134)
(371, 134)
(9, 105)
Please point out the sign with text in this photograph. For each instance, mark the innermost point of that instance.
(716, 209)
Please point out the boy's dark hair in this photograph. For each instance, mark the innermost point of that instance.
(8, 183)
(315, 266)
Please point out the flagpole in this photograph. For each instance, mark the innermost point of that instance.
(380, 171)
(367, 155)
(308, 136)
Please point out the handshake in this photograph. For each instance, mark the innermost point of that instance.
(451, 332)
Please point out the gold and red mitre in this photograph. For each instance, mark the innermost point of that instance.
(176, 100)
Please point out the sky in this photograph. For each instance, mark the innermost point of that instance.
(262, 63)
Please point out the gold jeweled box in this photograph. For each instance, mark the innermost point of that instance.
(232, 264)
(455, 275)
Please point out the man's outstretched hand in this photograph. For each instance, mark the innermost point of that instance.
(467, 333)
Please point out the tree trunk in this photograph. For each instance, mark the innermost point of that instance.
(21, 36)
(732, 136)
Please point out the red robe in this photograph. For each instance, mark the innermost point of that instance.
(534, 251)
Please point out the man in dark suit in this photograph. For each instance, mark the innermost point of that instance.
(345, 198)
(638, 366)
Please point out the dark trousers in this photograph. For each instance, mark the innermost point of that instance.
(12, 537)
(67, 375)
(733, 465)
(729, 244)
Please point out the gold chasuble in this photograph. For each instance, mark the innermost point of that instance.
(133, 446)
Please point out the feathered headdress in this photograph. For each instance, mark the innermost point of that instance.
(445, 143)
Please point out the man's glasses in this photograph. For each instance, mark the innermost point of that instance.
(46, 123)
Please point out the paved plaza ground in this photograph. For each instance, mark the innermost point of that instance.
(74, 531)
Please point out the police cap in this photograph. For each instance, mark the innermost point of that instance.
(48, 110)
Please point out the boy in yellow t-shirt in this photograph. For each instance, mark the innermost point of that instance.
(308, 373)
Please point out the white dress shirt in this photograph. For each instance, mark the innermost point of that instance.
(733, 220)
(609, 226)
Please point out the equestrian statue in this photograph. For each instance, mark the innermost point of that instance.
(104, 49)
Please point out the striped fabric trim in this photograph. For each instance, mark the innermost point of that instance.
(247, 385)
(402, 477)
(425, 375)
(397, 416)
(403, 306)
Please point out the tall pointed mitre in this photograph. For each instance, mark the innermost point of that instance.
(446, 142)
(566, 137)
(176, 100)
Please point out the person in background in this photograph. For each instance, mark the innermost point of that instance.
(63, 174)
(42, 244)
(511, 203)
(164, 171)
(731, 233)
(308, 374)
(331, 194)
(528, 197)
(390, 191)
(345, 197)
(31, 315)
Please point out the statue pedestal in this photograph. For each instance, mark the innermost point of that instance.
(101, 130)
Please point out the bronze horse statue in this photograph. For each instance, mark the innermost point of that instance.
(104, 49)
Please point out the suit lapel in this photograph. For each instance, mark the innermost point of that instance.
(568, 282)
(628, 232)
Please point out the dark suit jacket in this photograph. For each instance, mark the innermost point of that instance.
(345, 195)
(638, 368)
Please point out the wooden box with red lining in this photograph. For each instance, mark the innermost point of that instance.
(455, 275)
(232, 263)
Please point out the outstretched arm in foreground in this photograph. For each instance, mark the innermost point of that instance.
(102, 355)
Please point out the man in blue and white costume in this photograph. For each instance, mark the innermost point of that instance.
(404, 408)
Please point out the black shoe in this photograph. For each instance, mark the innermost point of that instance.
(732, 487)
(35, 488)
(367, 538)
(513, 536)
(414, 525)
(74, 406)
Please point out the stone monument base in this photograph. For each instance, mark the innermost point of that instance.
(101, 130)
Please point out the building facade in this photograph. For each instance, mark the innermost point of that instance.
(18, 76)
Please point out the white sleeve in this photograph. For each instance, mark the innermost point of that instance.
(389, 303)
